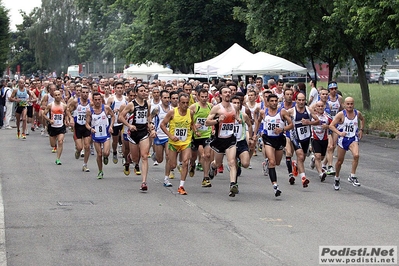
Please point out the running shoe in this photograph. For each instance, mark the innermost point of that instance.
(115, 158)
(324, 168)
(206, 183)
(32, 128)
(167, 184)
(42, 132)
(292, 179)
(143, 186)
(100, 175)
(23, 136)
(199, 167)
(294, 168)
(85, 169)
(312, 162)
(126, 169)
(172, 174)
(277, 191)
(155, 163)
(337, 185)
(54, 150)
(265, 167)
(82, 153)
(77, 155)
(27, 132)
(92, 150)
(105, 160)
(355, 182)
(192, 170)
(137, 169)
(322, 176)
(250, 167)
(254, 154)
(220, 169)
(330, 170)
(212, 172)
(305, 181)
(58, 162)
(119, 148)
(181, 191)
(233, 190)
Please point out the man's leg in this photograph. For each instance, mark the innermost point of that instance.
(60, 145)
(144, 147)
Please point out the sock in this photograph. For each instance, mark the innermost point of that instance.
(323, 165)
(182, 183)
(115, 153)
(336, 178)
(272, 175)
(166, 179)
(289, 164)
(353, 175)
(302, 175)
(232, 183)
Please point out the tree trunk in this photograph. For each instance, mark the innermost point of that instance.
(364, 86)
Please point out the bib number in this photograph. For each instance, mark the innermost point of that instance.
(303, 132)
(101, 131)
(201, 121)
(58, 120)
(141, 117)
(181, 133)
(226, 130)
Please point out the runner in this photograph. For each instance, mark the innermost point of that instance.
(302, 118)
(180, 120)
(97, 121)
(223, 117)
(22, 96)
(201, 137)
(82, 136)
(140, 129)
(275, 122)
(320, 138)
(56, 123)
(161, 139)
(349, 133)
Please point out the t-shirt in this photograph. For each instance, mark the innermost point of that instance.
(314, 93)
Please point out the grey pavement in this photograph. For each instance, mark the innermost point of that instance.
(58, 215)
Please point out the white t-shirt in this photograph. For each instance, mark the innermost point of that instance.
(8, 95)
(315, 94)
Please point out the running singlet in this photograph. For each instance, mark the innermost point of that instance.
(349, 126)
(318, 132)
(270, 123)
(157, 121)
(115, 105)
(57, 114)
(301, 132)
(334, 106)
(200, 116)
(238, 132)
(23, 95)
(225, 129)
(140, 115)
(80, 112)
(100, 123)
(180, 126)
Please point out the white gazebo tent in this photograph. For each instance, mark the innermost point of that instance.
(144, 71)
(264, 63)
(232, 57)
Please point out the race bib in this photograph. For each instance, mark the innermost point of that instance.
(201, 121)
(270, 128)
(226, 130)
(181, 133)
(303, 132)
(101, 131)
(58, 120)
(238, 130)
(141, 117)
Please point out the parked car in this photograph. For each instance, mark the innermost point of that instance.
(391, 77)
(374, 76)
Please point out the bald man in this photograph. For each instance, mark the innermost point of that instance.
(349, 131)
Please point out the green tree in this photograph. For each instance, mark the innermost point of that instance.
(4, 36)
(182, 32)
(21, 52)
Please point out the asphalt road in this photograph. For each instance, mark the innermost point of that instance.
(58, 215)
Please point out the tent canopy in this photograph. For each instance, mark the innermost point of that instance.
(264, 63)
(146, 69)
(232, 57)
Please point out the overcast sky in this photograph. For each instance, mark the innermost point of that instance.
(14, 5)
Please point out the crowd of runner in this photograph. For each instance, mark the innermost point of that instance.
(191, 125)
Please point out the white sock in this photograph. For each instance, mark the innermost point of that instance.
(182, 183)
(166, 179)
(353, 175)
